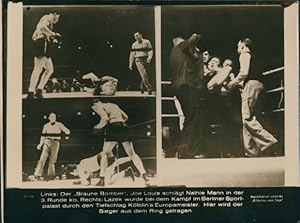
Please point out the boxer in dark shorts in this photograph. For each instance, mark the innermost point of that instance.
(113, 121)
(43, 38)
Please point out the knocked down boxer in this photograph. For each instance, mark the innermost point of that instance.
(90, 165)
(105, 85)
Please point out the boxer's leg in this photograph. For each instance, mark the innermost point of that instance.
(84, 173)
(45, 76)
(107, 149)
(39, 63)
(128, 146)
(112, 177)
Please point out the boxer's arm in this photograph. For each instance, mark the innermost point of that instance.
(109, 78)
(190, 44)
(48, 32)
(103, 116)
(120, 161)
(123, 160)
(124, 115)
(44, 27)
(194, 39)
(219, 78)
(93, 77)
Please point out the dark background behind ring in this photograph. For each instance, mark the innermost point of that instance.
(222, 27)
(93, 29)
(78, 116)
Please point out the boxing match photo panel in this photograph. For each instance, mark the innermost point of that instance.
(223, 95)
(144, 96)
(89, 97)
(69, 142)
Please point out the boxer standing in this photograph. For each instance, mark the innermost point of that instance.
(42, 37)
(113, 119)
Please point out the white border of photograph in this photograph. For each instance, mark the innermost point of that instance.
(250, 172)
(291, 64)
(289, 163)
(14, 94)
(14, 108)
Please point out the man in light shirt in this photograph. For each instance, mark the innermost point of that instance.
(43, 37)
(113, 121)
(256, 139)
(49, 144)
(142, 53)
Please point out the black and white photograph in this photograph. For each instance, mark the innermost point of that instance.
(145, 111)
(88, 110)
(86, 51)
(221, 90)
(106, 142)
(223, 94)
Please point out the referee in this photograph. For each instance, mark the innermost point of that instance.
(142, 53)
(49, 144)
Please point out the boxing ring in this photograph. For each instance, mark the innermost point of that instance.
(279, 90)
(84, 143)
(90, 95)
(221, 171)
(121, 183)
(79, 85)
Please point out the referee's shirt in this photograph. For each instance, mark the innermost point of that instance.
(53, 131)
